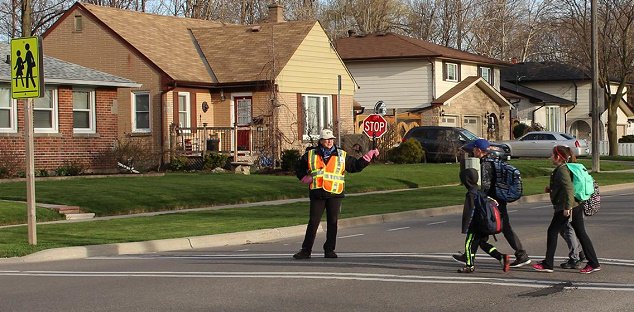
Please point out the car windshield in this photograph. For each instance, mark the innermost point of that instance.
(470, 136)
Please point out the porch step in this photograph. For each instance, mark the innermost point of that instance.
(79, 216)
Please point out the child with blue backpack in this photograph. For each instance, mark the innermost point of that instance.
(566, 209)
(473, 227)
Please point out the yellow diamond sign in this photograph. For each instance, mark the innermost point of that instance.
(27, 72)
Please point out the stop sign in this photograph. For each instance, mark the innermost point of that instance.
(374, 126)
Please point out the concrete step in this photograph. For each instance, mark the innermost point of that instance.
(79, 216)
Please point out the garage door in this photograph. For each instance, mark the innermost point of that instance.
(449, 121)
(472, 124)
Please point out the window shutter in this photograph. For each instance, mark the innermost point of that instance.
(300, 118)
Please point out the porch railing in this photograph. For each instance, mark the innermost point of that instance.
(248, 141)
(625, 149)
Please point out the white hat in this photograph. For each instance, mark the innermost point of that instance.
(326, 134)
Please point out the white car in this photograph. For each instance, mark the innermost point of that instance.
(541, 143)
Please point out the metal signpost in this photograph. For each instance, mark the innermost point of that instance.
(27, 82)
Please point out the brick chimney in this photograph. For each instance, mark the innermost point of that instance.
(514, 60)
(276, 13)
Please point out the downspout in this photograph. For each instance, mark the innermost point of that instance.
(433, 79)
(533, 113)
(573, 107)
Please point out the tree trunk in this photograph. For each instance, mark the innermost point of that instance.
(612, 123)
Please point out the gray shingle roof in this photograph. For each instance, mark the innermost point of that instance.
(58, 72)
(533, 95)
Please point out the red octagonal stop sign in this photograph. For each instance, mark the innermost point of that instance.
(374, 126)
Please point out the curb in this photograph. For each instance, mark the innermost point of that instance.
(249, 237)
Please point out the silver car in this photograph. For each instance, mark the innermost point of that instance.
(541, 143)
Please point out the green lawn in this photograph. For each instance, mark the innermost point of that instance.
(136, 190)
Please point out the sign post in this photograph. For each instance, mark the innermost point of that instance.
(27, 82)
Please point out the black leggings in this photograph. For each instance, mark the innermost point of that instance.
(475, 239)
(557, 223)
(317, 206)
(510, 236)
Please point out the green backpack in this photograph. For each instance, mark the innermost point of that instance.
(582, 181)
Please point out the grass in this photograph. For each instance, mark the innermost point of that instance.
(119, 195)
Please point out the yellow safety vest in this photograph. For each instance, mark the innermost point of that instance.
(327, 176)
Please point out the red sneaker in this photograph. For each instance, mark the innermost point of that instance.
(506, 263)
(589, 269)
(541, 268)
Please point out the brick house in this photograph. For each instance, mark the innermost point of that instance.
(427, 84)
(252, 88)
(75, 122)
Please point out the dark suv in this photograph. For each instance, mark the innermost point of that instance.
(444, 143)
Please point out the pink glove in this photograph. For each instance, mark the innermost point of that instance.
(371, 154)
(307, 179)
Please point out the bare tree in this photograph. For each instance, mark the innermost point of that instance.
(616, 49)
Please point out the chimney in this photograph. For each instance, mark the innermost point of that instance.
(514, 60)
(351, 32)
(276, 13)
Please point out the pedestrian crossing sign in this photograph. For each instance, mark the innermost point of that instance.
(27, 72)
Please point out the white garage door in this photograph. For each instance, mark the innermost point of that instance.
(472, 124)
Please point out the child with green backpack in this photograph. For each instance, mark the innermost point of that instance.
(565, 200)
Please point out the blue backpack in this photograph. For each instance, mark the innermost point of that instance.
(487, 215)
(508, 181)
(582, 181)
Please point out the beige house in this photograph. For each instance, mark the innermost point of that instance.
(254, 89)
(427, 84)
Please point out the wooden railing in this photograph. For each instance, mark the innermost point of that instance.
(248, 140)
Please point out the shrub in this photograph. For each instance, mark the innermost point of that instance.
(69, 169)
(627, 139)
(520, 129)
(215, 160)
(408, 152)
(289, 159)
(131, 153)
(179, 163)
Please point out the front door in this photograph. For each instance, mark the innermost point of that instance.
(243, 120)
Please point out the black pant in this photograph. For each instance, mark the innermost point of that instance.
(557, 223)
(317, 207)
(475, 239)
(509, 235)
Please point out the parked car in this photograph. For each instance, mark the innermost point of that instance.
(541, 143)
(444, 143)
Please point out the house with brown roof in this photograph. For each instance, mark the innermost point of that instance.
(74, 123)
(427, 84)
(242, 89)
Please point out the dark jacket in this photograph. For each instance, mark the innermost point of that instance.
(562, 193)
(352, 165)
(469, 178)
(487, 173)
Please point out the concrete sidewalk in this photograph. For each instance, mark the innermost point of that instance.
(257, 236)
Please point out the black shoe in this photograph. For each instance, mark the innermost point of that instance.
(571, 264)
(302, 254)
(330, 254)
(582, 256)
(460, 258)
(467, 269)
(522, 261)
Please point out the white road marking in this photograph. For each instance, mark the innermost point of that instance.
(398, 229)
(393, 278)
(242, 250)
(512, 210)
(439, 222)
(539, 207)
(353, 235)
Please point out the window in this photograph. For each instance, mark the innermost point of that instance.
(244, 110)
(45, 112)
(451, 72)
(553, 118)
(184, 110)
(8, 112)
(486, 73)
(141, 112)
(78, 23)
(317, 115)
(83, 111)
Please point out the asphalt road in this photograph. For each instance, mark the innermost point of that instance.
(396, 266)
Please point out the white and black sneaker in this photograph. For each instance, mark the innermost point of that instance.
(462, 258)
(522, 261)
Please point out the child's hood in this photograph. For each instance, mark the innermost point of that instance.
(469, 178)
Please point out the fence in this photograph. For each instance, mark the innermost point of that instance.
(625, 149)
